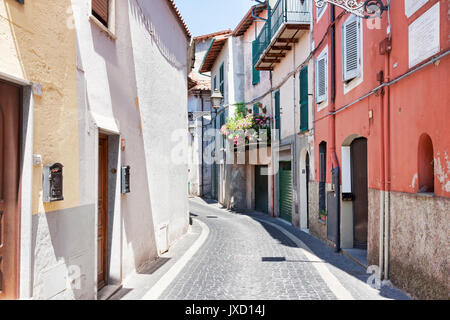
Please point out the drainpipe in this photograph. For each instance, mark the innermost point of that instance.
(294, 147)
(382, 175)
(273, 134)
(202, 164)
(332, 122)
(387, 78)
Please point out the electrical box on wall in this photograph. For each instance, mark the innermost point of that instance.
(52, 182)
(125, 179)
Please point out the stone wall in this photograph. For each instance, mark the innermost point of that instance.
(373, 228)
(419, 251)
(316, 227)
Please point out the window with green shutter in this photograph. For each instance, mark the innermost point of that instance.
(278, 113)
(304, 99)
(222, 80)
(222, 122)
(256, 108)
(256, 74)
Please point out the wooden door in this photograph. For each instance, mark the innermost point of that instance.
(102, 210)
(360, 192)
(9, 190)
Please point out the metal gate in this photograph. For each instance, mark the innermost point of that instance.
(285, 187)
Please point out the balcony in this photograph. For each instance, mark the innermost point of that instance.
(287, 22)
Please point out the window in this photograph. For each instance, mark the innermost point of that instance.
(222, 80)
(322, 177)
(351, 48)
(278, 113)
(304, 99)
(103, 15)
(256, 77)
(322, 77)
(426, 164)
(215, 83)
(256, 108)
(222, 122)
(100, 10)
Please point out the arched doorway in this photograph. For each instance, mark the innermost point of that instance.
(304, 189)
(355, 188)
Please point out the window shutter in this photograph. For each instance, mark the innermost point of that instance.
(222, 79)
(256, 109)
(222, 122)
(100, 10)
(278, 113)
(322, 79)
(304, 99)
(256, 74)
(351, 49)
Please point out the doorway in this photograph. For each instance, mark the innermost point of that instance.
(285, 183)
(9, 190)
(261, 189)
(307, 189)
(360, 184)
(102, 235)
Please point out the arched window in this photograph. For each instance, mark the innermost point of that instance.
(426, 164)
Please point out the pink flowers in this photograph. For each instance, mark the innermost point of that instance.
(245, 129)
(224, 130)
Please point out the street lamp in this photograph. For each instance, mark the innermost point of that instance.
(362, 8)
(216, 99)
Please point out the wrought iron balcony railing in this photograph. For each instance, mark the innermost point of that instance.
(290, 13)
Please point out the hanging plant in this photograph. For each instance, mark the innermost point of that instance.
(246, 129)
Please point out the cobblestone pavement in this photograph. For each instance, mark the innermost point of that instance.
(244, 258)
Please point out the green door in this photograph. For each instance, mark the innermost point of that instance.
(285, 179)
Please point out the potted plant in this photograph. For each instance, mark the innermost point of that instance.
(247, 128)
(323, 215)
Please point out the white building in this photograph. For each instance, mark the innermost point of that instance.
(132, 67)
(224, 61)
(199, 102)
(284, 46)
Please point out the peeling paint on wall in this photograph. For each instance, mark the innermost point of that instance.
(441, 172)
(413, 182)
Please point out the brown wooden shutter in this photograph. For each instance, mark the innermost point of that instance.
(100, 10)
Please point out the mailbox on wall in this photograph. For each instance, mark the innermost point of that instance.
(125, 179)
(52, 182)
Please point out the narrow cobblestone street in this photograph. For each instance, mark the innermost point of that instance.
(250, 257)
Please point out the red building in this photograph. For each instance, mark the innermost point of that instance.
(381, 112)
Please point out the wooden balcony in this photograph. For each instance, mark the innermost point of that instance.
(287, 22)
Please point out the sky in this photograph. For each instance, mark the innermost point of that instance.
(208, 16)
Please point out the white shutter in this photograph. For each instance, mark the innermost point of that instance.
(322, 78)
(351, 35)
